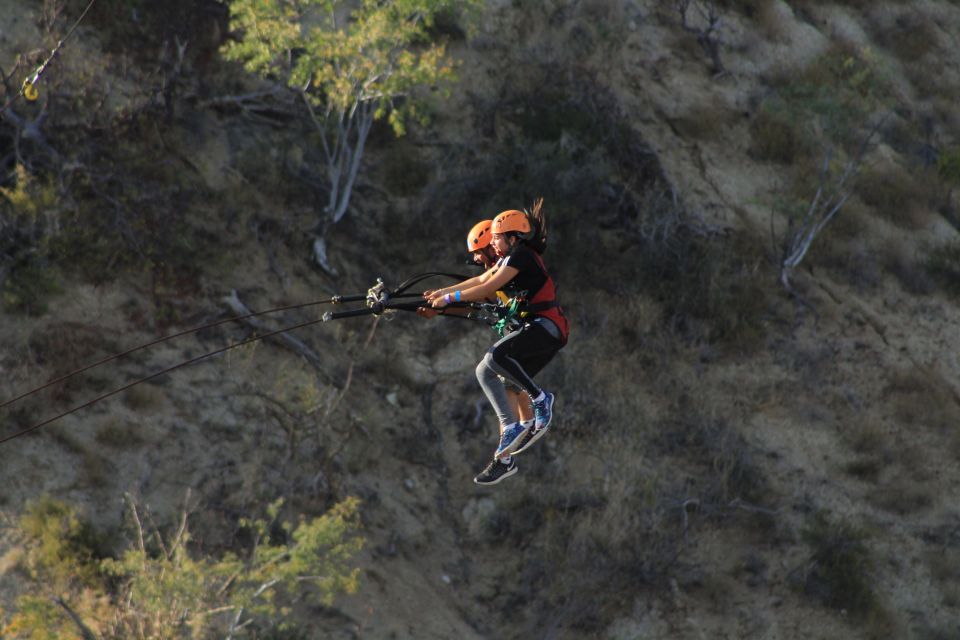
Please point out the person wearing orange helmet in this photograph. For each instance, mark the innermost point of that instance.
(519, 355)
(482, 252)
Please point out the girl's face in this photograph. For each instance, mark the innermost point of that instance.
(500, 243)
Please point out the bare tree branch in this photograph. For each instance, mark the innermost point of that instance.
(287, 340)
(829, 198)
(84, 629)
(707, 35)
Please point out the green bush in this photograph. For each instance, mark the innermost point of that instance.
(833, 97)
(29, 287)
(61, 546)
(165, 588)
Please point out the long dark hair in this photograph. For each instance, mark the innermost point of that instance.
(537, 239)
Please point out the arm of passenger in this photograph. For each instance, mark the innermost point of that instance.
(461, 286)
(482, 291)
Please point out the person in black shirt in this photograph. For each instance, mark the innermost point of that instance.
(520, 355)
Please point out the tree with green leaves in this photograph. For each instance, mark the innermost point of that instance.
(162, 587)
(352, 63)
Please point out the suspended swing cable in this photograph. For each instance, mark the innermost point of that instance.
(404, 306)
(28, 89)
(333, 300)
(155, 375)
(378, 300)
(111, 358)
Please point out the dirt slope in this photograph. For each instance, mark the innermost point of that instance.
(847, 404)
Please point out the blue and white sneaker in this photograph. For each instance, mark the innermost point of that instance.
(510, 438)
(543, 411)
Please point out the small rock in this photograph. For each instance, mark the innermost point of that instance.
(410, 483)
(446, 579)
(392, 399)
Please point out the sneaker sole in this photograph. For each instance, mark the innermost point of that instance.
(513, 445)
(505, 475)
(536, 436)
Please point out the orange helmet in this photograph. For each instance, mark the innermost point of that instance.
(511, 220)
(479, 236)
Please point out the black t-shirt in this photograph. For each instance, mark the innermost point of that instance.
(530, 278)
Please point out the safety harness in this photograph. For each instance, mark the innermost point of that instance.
(544, 303)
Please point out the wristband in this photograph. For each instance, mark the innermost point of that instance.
(446, 298)
(456, 296)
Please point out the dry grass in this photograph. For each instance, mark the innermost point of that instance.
(94, 468)
(902, 497)
(777, 137)
(869, 440)
(916, 397)
(117, 433)
(707, 121)
(403, 171)
(64, 347)
(899, 194)
(772, 21)
(144, 397)
(841, 572)
(911, 37)
(943, 265)
(945, 570)
(867, 437)
(749, 8)
(908, 270)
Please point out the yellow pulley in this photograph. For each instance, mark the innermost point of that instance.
(30, 91)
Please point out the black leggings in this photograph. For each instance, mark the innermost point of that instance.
(520, 355)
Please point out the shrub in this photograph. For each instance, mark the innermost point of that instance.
(918, 397)
(709, 441)
(911, 274)
(29, 286)
(899, 195)
(60, 546)
(901, 498)
(710, 286)
(777, 137)
(165, 588)
(833, 97)
(841, 567)
(707, 121)
(404, 172)
(119, 434)
(143, 397)
(912, 36)
(943, 264)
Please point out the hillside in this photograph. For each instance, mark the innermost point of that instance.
(731, 458)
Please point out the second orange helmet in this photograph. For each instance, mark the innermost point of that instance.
(479, 236)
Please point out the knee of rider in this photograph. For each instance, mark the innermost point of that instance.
(484, 372)
(495, 355)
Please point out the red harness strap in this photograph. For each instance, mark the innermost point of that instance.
(544, 303)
